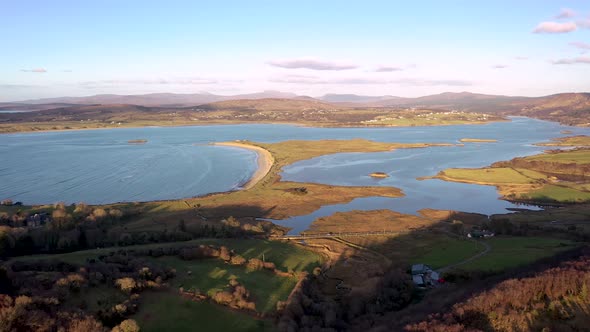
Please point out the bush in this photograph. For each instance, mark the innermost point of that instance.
(254, 264)
(237, 260)
(126, 284)
(128, 325)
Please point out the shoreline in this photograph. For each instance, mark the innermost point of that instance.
(222, 123)
(264, 160)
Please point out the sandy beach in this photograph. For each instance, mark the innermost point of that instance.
(265, 161)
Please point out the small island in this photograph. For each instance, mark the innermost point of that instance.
(379, 175)
(137, 141)
(477, 140)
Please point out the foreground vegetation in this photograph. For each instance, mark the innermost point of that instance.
(112, 285)
(554, 299)
(163, 311)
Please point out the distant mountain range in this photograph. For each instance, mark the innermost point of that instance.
(155, 99)
(569, 108)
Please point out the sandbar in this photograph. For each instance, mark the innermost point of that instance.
(265, 161)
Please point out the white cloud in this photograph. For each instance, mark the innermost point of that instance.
(572, 61)
(303, 79)
(152, 81)
(387, 69)
(555, 27)
(499, 66)
(34, 70)
(522, 58)
(565, 13)
(311, 63)
(585, 24)
(581, 45)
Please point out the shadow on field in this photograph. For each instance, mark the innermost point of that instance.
(367, 285)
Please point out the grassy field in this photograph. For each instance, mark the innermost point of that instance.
(286, 256)
(213, 275)
(477, 140)
(95, 298)
(433, 248)
(449, 251)
(165, 311)
(558, 193)
(575, 156)
(508, 252)
(541, 178)
(493, 175)
(367, 221)
(580, 140)
(439, 250)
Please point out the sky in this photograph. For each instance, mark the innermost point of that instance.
(400, 48)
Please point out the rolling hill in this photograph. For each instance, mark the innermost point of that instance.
(332, 109)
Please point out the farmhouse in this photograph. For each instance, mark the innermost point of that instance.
(479, 234)
(423, 275)
(38, 220)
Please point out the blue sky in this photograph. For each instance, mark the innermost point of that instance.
(77, 48)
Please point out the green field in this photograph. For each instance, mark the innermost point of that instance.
(435, 249)
(95, 298)
(287, 257)
(213, 275)
(206, 275)
(580, 140)
(558, 193)
(575, 156)
(508, 252)
(165, 311)
(501, 175)
(449, 251)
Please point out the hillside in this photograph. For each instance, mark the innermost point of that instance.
(274, 106)
(352, 98)
(552, 300)
(567, 108)
(305, 111)
(267, 104)
(152, 99)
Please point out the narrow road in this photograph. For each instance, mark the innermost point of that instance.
(472, 258)
(335, 235)
(487, 249)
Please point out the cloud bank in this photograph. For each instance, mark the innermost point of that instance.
(34, 70)
(581, 45)
(555, 27)
(573, 61)
(565, 13)
(304, 79)
(311, 63)
(387, 69)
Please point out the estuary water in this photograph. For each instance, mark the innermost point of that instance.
(100, 166)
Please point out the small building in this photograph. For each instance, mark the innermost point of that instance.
(476, 234)
(423, 275)
(37, 220)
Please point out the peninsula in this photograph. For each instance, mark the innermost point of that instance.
(264, 160)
